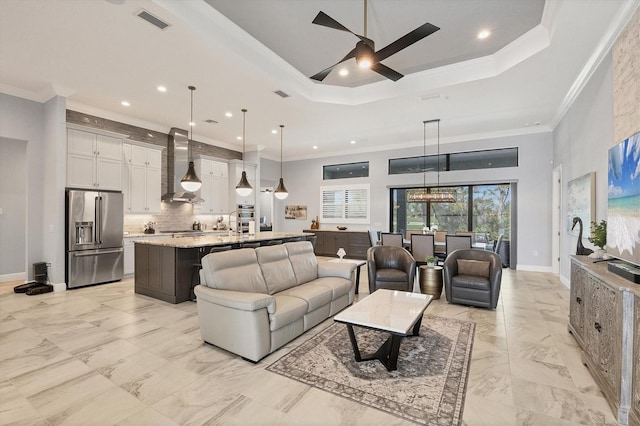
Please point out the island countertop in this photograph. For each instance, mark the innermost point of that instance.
(219, 240)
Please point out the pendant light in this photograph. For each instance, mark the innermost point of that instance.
(423, 196)
(243, 188)
(281, 191)
(190, 182)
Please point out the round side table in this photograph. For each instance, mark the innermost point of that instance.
(431, 280)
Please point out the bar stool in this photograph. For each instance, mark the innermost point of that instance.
(250, 245)
(195, 271)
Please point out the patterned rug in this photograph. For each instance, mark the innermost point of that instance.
(428, 387)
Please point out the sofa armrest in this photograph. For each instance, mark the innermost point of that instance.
(334, 269)
(236, 299)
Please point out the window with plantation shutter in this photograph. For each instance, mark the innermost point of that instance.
(344, 204)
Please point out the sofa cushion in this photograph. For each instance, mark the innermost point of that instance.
(288, 309)
(475, 282)
(276, 268)
(339, 286)
(473, 267)
(303, 260)
(392, 275)
(236, 270)
(314, 295)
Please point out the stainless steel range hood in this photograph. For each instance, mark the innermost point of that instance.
(177, 164)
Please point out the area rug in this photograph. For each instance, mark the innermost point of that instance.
(428, 387)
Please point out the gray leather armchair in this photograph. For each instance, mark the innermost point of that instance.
(473, 277)
(390, 267)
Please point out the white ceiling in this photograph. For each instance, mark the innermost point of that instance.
(98, 53)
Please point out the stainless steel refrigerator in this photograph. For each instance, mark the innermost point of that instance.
(94, 237)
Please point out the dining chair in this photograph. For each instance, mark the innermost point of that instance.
(373, 237)
(422, 247)
(457, 242)
(440, 242)
(408, 234)
(391, 239)
(470, 234)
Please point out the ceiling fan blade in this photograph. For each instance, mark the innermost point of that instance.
(324, 73)
(406, 41)
(327, 21)
(386, 71)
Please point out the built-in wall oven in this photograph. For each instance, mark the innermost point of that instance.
(246, 214)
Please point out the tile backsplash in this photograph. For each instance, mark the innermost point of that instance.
(172, 217)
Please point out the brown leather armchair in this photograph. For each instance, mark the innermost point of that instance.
(473, 277)
(390, 267)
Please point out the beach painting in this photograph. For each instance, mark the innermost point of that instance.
(623, 214)
(581, 203)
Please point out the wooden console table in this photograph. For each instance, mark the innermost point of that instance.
(355, 243)
(603, 322)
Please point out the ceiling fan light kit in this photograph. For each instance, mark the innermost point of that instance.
(243, 188)
(190, 182)
(365, 52)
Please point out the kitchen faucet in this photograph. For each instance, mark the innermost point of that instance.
(237, 221)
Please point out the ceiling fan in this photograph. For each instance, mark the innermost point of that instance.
(365, 51)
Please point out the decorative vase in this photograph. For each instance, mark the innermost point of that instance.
(597, 254)
(341, 253)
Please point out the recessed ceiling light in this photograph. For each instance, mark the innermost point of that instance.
(162, 89)
(274, 131)
(191, 123)
(228, 114)
(343, 72)
(353, 142)
(239, 138)
(484, 34)
(315, 147)
(125, 103)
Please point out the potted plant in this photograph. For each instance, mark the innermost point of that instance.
(431, 261)
(598, 238)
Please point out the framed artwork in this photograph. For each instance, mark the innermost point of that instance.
(295, 212)
(581, 202)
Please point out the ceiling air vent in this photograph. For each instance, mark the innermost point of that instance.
(153, 20)
(281, 94)
(210, 121)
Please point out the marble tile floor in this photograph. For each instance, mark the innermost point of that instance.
(103, 355)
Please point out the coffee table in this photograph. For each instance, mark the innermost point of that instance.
(397, 312)
(356, 262)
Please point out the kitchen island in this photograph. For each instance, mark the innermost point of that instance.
(164, 267)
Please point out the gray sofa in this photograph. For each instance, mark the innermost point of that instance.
(253, 301)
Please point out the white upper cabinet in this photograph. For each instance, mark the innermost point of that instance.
(94, 161)
(215, 186)
(142, 178)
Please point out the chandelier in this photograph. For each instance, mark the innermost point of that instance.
(425, 196)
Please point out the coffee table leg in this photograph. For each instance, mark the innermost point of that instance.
(358, 277)
(354, 343)
(416, 326)
(387, 354)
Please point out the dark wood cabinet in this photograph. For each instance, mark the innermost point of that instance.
(604, 321)
(164, 272)
(355, 243)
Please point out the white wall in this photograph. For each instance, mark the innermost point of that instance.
(581, 143)
(39, 125)
(303, 179)
(13, 202)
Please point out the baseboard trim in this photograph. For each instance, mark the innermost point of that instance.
(13, 277)
(566, 281)
(534, 268)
